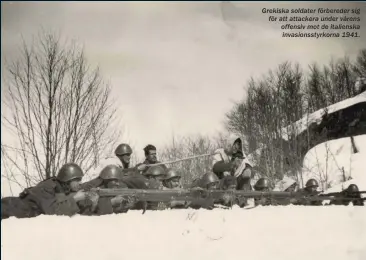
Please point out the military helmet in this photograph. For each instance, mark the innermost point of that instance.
(155, 170)
(208, 178)
(312, 183)
(69, 172)
(111, 172)
(352, 188)
(172, 173)
(262, 183)
(123, 149)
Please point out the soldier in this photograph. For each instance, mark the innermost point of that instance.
(60, 195)
(351, 194)
(123, 156)
(150, 158)
(263, 185)
(172, 179)
(209, 181)
(227, 161)
(154, 177)
(310, 189)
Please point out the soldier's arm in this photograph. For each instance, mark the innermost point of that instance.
(51, 203)
(94, 183)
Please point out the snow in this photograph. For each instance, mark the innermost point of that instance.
(316, 117)
(291, 232)
(325, 161)
(335, 232)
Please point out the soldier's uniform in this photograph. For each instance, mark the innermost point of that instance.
(153, 180)
(209, 181)
(120, 152)
(226, 163)
(349, 195)
(54, 196)
(127, 171)
(310, 189)
(111, 177)
(171, 181)
(263, 185)
(150, 159)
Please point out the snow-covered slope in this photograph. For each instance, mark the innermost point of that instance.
(326, 163)
(286, 233)
(316, 117)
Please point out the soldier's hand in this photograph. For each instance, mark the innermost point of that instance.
(227, 198)
(116, 201)
(94, 198)
(236, 164)
(79, 196)
(142, 167)
(130, 202)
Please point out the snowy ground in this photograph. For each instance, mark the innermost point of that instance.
(292, 232)
(334, 232)
(325, 161)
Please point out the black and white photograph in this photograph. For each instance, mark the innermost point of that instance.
(183, 130)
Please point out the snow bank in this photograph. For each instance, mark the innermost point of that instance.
(326, 160)
(316, 117)
(335, 232)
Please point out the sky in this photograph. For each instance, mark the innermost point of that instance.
(175, 67)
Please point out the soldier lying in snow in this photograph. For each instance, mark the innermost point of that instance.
(347, 196)
(60, 195)
(111, 177)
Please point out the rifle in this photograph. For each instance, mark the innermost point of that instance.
(194, 194)
(344, 193)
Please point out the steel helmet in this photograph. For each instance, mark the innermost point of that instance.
(123, 149)
(172, 173)
(111, 172)
(312, 183)
(208, 178)
(69, 172)
(156, 170)
(262, 183)
(352, 188)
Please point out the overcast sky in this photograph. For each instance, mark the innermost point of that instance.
(174, 67)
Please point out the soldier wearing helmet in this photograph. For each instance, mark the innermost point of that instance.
(172, 179)
(311, 186)
(150, 159)
(155, 175)
(310, 189)
(263, 185)
(60, 195)
(351, 194)
(121, 159)
(209, 181)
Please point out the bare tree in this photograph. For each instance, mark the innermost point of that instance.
(183, 147)
(58, 108)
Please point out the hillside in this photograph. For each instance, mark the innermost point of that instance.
(335, 163)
